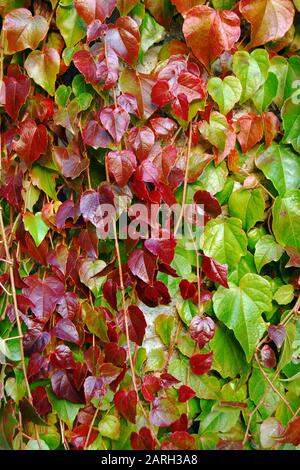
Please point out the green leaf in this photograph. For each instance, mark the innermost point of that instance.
(33, 444)
(225, 241)
(156, 360)
(226, 93)
(187, 310)
(84, 101)
(43, 67)
(151, 33)
(109, 426)
(266, 94)
(224, 346)
(266, 250)
(66, 410)
(286, 220)
(240, 308)
(215, 130)
(251, 70)
(62, 95)
(259, 387)
(10, 349)
(219, 420)
(164, 325)
(213, 178)
(223, 4)
(281, 166)
(35, 225)
(280, 67)
(287, 349)
(248, 206)
(44, 179)
(71, 26)
(284, 295)
(291, 122)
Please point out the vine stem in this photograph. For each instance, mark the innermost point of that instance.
(187, 164)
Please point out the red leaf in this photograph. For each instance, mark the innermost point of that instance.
(164, 128)
(126, 402)
(93, 388)
(79, 436)
(121, 165)
(17, 88)
(277, 334)
(32, 142)
(62, 357)
(64, 388)
(143, 440)
(215, 271)
(40, 401)
(91, 10)
(95, 136)
(44, 295)
(115, 354)
(187, 289)
(210, 203)
(142, 265)
(179, 440)
(141, 141)
(66, 330)
(202, 330)
(292, 433)
(68, 306)
(271, 127)
(204, 25)
(164, 412)
(124, 39)
(268, 358)
(251, 131)
(201, 363)
(270, 19)
(70, 160)
(136, 324)
(181, 424)
(11, 190)
(185, 393)
(115, 121)
(151, 385)
(164, 248)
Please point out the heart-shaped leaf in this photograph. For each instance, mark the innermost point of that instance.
(22, 30)
(226, 93)
(91, 10)
(204, 25)
(43, 67)
(36, 226)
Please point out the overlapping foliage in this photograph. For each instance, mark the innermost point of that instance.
(157, 102)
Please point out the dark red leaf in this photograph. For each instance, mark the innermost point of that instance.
(64, 388)
(185, 393)
(32, 141)
(215, 271)
(95, 136)
(164, 128)
(292, 433)
(201, 363)
(124, 39)
(181, 424)
(277, 334)
(268, 358)
(93, 388)
(151, 385)
(210, 203)
(44, 295)
(187, 289)
(79, 436)
(62, 357)
(17, 88)
(141, 140)
(179, 440)
(126, 402)
(202, 330)
(121, 165)
(142, 265)
(66, 330)
(143, 440)
(40, 401)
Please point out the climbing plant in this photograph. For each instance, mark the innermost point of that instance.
(118, 330)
